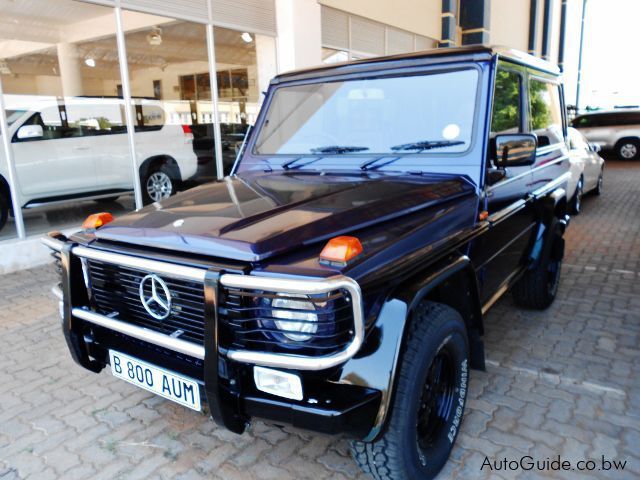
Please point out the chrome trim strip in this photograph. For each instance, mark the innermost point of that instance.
(37, 204)
(175, 344)
(552, 184)
(52, 243)
(171, 270)
(491, 188)
(289, 285)
(506, 211)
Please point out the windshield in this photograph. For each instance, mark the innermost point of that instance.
(390, 115)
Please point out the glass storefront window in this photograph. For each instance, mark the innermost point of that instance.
(169, 76)
(60, 78)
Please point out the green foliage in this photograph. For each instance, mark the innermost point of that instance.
(540, 108)
(506, 111)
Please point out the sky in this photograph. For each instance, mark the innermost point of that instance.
(611, 61)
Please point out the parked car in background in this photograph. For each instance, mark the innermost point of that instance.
(204, 147)
(617, 130)
(79, 150)
(337, 280)
(587, 169)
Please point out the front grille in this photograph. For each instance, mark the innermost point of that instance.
(246, 322)
(246, 318)
(115, 291)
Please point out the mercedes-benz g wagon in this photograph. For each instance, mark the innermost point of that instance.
(338, 278)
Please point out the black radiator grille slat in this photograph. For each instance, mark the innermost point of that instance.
(246, 320)
(115, 288)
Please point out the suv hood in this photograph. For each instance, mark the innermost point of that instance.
(252, 217)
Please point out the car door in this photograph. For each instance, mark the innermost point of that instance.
(498, 254)
(58, 163)
(110, 143)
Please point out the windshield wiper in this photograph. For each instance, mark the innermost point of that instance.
(338, 149)
(335, 149)
(426, 145)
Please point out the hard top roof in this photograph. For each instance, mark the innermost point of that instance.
(433, 56)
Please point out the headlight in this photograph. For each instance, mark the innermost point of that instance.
(303, 321)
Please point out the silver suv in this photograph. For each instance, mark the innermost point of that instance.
(617, 130)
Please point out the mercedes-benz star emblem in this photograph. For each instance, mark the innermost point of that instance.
(155, 296)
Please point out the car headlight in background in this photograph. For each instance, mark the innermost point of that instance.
(284, 307)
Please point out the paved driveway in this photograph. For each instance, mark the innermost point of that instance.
(561, 382)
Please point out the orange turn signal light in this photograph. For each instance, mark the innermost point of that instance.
(97, 220)
(341, 249)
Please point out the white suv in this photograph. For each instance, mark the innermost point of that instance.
(617, 130)
(79, 149)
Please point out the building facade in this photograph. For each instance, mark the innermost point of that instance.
(108, 87)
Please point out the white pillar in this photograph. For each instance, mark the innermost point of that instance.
(70, 73)
(299, 34)
(267, 65)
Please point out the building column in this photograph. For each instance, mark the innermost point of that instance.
(533, 31)
(563, 30)
(546, 30)
(449, 23)
(475, 21)
(266, 59)
(70, 73)
(299, 41)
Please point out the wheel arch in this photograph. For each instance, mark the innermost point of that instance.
(158, 161)
(633, 138)
(452, 282)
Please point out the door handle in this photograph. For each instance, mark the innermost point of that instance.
(81, 148)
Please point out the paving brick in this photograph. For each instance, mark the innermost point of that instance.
(563, 381)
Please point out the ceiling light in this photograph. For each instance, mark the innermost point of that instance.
(155, 37)
(90, 62)
(246, 36)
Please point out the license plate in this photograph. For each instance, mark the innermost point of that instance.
(177, 388)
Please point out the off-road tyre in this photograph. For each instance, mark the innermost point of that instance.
(538, 286)
(436, 334)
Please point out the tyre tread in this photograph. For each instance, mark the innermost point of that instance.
(381, 459)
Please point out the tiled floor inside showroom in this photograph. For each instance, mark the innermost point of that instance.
(560, 382)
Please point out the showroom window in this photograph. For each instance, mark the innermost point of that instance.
(66, 114)
(59, 77)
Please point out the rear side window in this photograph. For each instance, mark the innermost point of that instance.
(546, 112)
(585, 121)
(506, 116)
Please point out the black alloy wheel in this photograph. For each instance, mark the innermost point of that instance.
(436, 404)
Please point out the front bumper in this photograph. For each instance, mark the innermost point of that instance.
(226, 377)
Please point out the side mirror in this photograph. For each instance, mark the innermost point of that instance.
(26, 132)
(514, 150)
(594, 147)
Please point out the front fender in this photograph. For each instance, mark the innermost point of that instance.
(376, 365)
